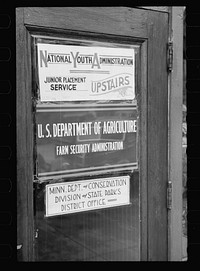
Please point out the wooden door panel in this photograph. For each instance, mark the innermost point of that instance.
(106, 20)
(150, 30)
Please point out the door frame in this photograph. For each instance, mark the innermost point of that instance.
(154, 161)
(175, 251)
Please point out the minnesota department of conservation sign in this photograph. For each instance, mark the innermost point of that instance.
(79, 196)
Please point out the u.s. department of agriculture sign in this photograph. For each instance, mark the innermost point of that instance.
(72, 141)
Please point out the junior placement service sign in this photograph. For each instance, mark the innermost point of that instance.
(81, 73)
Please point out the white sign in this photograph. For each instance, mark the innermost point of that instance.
(79, 196)
(81, 73)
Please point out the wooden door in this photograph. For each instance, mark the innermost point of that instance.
(146, 33)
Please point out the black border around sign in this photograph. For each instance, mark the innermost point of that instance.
(95, 170)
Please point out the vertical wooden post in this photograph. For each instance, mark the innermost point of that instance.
(24, 140)
(175, 136)
(157, 136)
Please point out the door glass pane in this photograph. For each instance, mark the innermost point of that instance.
(87, 126)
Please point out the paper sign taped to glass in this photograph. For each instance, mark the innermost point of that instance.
(81, 73)
(72, 141)
(79, 196)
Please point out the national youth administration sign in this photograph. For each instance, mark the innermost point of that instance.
(80, 73)
(79, 196)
